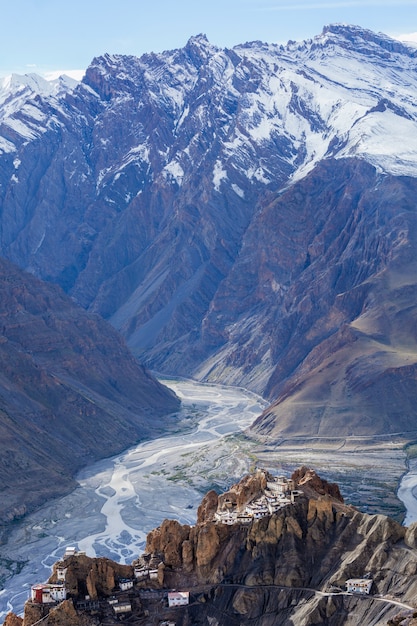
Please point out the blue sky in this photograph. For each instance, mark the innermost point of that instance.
(49, 35)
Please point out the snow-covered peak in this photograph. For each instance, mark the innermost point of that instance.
(22, 112)
(201, 43)
(15, 83)
(347, 92)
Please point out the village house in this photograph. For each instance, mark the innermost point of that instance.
(48, 593)
(359, 585)
(141, 572)
(69, 551)
(125, 584)
(122, 607)
(72, 551)
(61, 572)
(178, 598)
(281, 484)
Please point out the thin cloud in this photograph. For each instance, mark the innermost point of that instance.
(53, 75)
(407, 38)
(337, 5)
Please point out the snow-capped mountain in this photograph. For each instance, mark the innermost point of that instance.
(227, 210)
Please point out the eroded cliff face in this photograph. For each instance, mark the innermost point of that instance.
(288, 568)
(262, 572)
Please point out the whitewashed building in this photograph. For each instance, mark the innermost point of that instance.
(122, 607)
(141, 572)
(70, 551)
(359, 585)
(61, 572)
(178, 598)
(47, 593)
(125, 584)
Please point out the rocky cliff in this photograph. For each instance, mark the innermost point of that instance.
(287, 568)
(239, 215)
(70, 392)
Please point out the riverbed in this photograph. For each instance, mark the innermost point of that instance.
(119, 500)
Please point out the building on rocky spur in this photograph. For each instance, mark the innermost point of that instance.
(271, 493)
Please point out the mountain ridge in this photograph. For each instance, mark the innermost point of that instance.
(163, 193)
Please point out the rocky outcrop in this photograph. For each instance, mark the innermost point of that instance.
(311, 483)
(404, 618)
(286, 568)
(70, 392)
(95, 577)
(64, 614)
(296, 547)
(13, 620)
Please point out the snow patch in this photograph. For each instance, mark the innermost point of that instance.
(175, 171)
(238, 191)
(6, 146)
(23, 129)
(219, 174)
(386, 140)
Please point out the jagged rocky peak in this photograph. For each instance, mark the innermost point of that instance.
(362, 38)
(113, 74)
(268, 491)
(199, 49)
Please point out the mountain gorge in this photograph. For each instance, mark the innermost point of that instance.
(244, 216)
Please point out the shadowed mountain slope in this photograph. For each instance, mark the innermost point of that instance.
(70, 392)
(345, 344)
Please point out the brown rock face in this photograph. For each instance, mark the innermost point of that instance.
(249, 488)
(63, 372)
(208, 507)
(168, 539)
(270, 566)
(65, 615)
(13, 620)
(310, 482)
(274, 549)
(94, 577)
(267, 572)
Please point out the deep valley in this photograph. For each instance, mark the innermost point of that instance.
(241, 222)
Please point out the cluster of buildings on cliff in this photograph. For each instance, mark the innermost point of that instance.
(260, 496)
(277, 492)
(50, 593)
(147, 568)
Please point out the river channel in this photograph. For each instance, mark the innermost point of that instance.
(119, 500)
